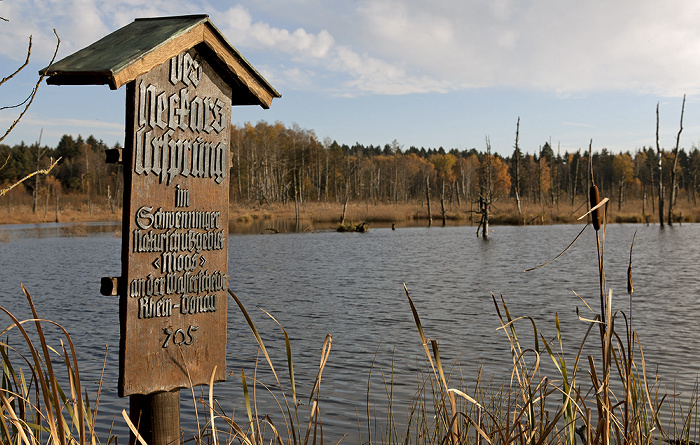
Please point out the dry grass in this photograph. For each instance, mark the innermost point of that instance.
(504, 212)
(16, 208)
(322, 212)
(41, 394)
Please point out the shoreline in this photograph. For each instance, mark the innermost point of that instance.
(385, 214)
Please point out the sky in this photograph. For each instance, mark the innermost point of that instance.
(438, 73)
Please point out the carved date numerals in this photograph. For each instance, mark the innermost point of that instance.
(180, 336)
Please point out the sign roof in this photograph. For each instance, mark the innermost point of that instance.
(138, 47)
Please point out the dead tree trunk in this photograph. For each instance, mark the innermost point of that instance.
(486, 195)
(296, 199)
(517, 167)
(39, 154)
(442, 204)
(345, 208)
(574, 181)
(455, 187)
(427, 198)
(620, 187)
(485, 216)
(672, 196)
(659, 159)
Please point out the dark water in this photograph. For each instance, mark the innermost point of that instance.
(350, 286)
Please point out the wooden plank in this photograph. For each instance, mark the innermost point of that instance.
(160, 55)
(241, 71)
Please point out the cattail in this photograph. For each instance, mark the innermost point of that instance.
(595, 214)
(630, 288)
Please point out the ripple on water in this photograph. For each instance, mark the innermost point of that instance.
(351, 286)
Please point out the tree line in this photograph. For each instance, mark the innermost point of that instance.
(274, 163)
(81, 170)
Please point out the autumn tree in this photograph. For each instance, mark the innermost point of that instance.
(443, 166)
(622, 170)
(500, 177)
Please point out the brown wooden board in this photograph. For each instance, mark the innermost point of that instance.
(173, 295)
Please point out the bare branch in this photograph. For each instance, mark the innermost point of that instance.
(26, 62)
(672, 195)
(21, 103)
(36, 88)
(3, 18)
(678, 137)
(38, 172)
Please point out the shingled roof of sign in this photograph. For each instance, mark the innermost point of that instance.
(140, 46)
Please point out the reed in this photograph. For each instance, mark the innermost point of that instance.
(299, 423)
(45, 404)
(616, 401)
(600, 392)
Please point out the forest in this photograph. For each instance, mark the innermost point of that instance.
(274, 163)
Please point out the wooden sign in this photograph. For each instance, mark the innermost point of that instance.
(175, 232)
(182, 78)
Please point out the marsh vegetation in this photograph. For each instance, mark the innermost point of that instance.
(378, 384)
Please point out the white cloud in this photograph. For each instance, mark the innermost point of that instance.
(240, 28)
(557, 46)
(359, 73)
(50, 121)
(409, 46)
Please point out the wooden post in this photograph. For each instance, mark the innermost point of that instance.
(157, 417)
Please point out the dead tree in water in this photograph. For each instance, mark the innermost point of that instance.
(486, 196)
(516, 155)
(659, 158)
(672, 197)
(484, 207)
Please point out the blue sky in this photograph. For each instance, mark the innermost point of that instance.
(439, 73)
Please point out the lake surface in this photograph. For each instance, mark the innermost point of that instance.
(350, 285)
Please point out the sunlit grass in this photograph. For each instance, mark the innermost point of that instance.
(41, 397)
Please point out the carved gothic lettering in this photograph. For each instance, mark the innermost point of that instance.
(186, 148)
(219, 111)
(196, 114)
(176, 69)
(173, 116)
(184, 111)
(161, 108)
(144, 217)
